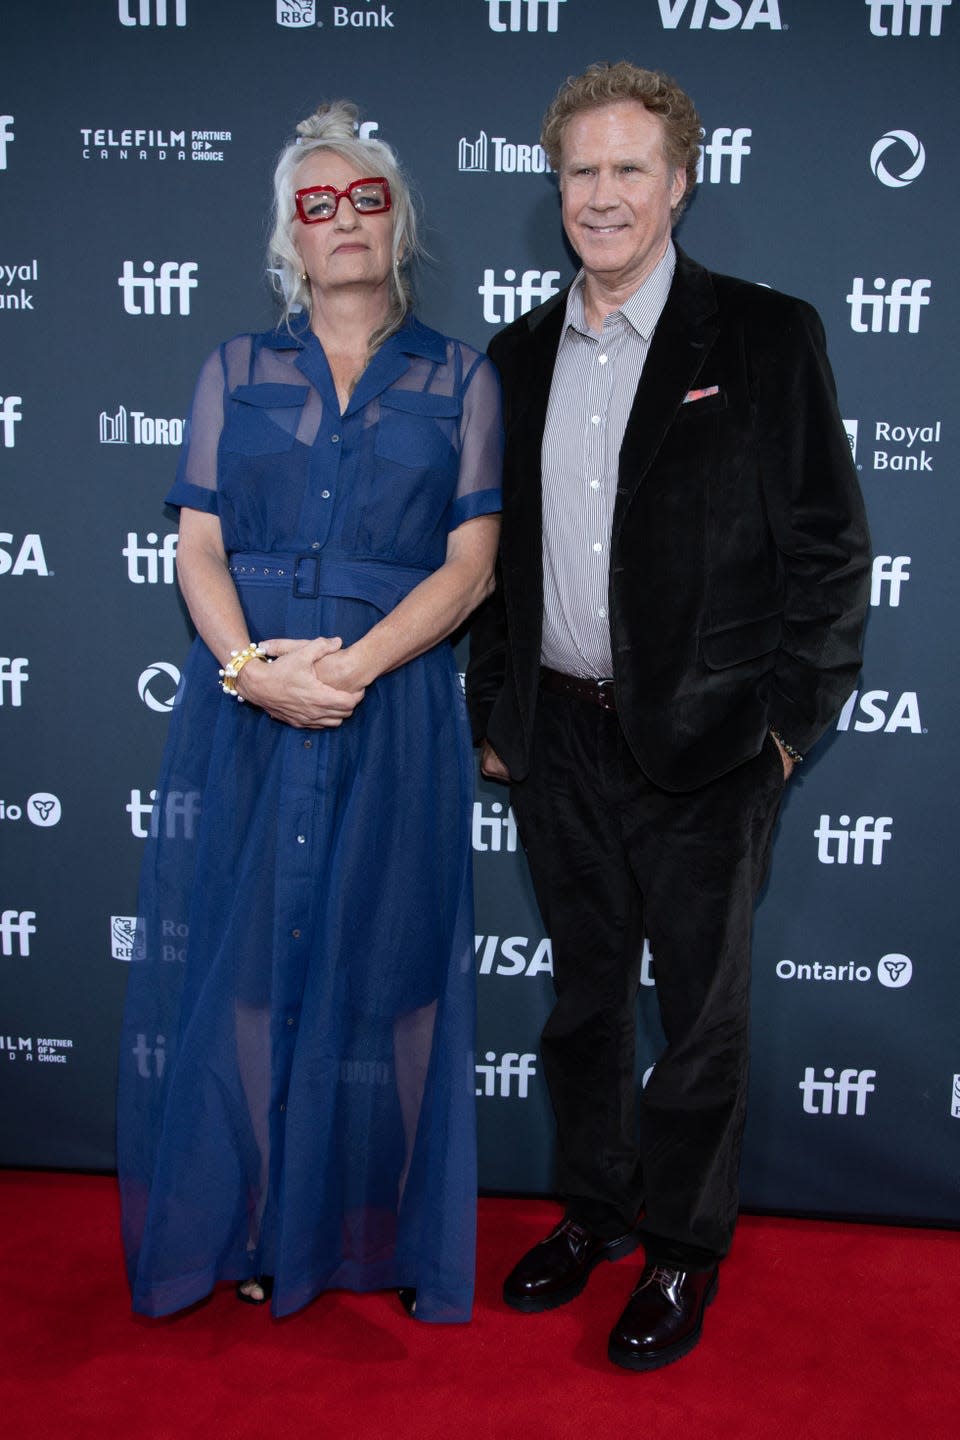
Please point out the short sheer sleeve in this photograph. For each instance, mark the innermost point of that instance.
(481, 446)
(196, 482)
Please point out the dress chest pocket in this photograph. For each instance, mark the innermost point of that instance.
(263, 419)
(415, 429)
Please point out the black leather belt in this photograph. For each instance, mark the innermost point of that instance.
(595, 692)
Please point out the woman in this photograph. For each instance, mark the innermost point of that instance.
(304, 964)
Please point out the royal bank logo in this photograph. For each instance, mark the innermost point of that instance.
(880, 712)
(6, 138)
(504, 302)
(834, 1094)
(852, 430)
(725, 151)
(893, 971)
(507, 157)
(123, 936)
(720, 14)
(887, 16)
(150, 293)
(152, 563)
(24, 557)
(13, 677)
(911, 441)
(42, 809)
(517, 15)
(134, 427)
(513, 955)
(375, 17)
(152, 12)
(14, 295)
(955, 1098)
(295, 14)
(497, 1076)
(885, 310)
(907, 170)
(888, 575)
(157, 686)
(852, 842)
(16, 927)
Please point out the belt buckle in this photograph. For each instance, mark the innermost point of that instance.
(605, 696)
(301, 589)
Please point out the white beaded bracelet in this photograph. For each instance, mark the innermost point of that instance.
(239, 658)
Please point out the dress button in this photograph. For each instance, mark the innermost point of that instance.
(301, 839)
(289, 1019)
(324, 494)
(282, 1107)
(334, 439)
(295, 934)
(308, 744)
(315, 545)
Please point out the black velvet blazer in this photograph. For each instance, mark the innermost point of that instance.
(739, 566)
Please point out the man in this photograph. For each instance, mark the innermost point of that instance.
(683, 575)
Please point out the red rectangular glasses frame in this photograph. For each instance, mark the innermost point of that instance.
(338, 195)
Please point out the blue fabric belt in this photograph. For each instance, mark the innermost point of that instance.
(323, 572)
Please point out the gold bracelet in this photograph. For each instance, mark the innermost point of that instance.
(239, 658)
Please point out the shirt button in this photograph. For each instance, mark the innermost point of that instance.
(334, 439)
(598, 547)
(602, 359)
(594, 419)
(301, 839)
(602, 612)
(594, 484)
(324, 494)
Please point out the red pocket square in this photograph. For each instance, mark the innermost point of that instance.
(701, 394)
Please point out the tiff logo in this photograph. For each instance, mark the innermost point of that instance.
(893, 10)
(868, 829)
(180, 810)
(758, 12)
(904, 294)
(174, 275)
(150, 1058)
(724, 144)
(508, 1068)
(10, 416)
(515, 9)
(501, 829)
(157, 557)
(892, 571)
(6, 136)
(818, 1095)
(15, 925)
(159, 9)
(535, 287)
(13, 677)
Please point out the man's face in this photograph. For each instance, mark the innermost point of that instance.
(617, 192)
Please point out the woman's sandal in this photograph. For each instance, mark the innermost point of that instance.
(408, 1299)
(264, 1283)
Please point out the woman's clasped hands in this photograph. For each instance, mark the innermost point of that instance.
(310, 684)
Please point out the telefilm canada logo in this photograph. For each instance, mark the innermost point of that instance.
(923, 17)
(42, 809)
(152, 143)
(41, 1049)
(135, 427)
(720, 14)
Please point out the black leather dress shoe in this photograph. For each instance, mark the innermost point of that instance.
(557, 1269)
(663, 1318)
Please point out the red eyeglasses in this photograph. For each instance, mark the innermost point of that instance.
(319, 202)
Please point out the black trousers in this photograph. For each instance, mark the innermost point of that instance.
(614, 859)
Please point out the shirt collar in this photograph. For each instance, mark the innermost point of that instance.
(644, 307)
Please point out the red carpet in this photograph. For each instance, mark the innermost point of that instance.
(821, 1331)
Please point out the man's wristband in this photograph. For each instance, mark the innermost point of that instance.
(795, 755)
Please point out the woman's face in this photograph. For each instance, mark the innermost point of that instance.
(351, 249)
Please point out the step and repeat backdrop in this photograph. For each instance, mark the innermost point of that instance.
(137, 140)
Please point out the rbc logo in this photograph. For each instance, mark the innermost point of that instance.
(179, 276)
(758, 12)
(724, 143)
(153, 12)
(890, 570)
(157, 557)
(296, 13)
(15, 926)
(892, 12)
(535, 287)
(515, 9)
(905, 714)
(6, 136)
(10, 416)
(508, 1068)
(868, 830)
(818, 1095)
(904, 294)
(917, 159)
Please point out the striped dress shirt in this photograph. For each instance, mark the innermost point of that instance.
(594, 383)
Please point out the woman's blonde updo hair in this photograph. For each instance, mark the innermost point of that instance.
(335, 127)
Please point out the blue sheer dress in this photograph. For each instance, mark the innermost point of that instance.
(296, 1071)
